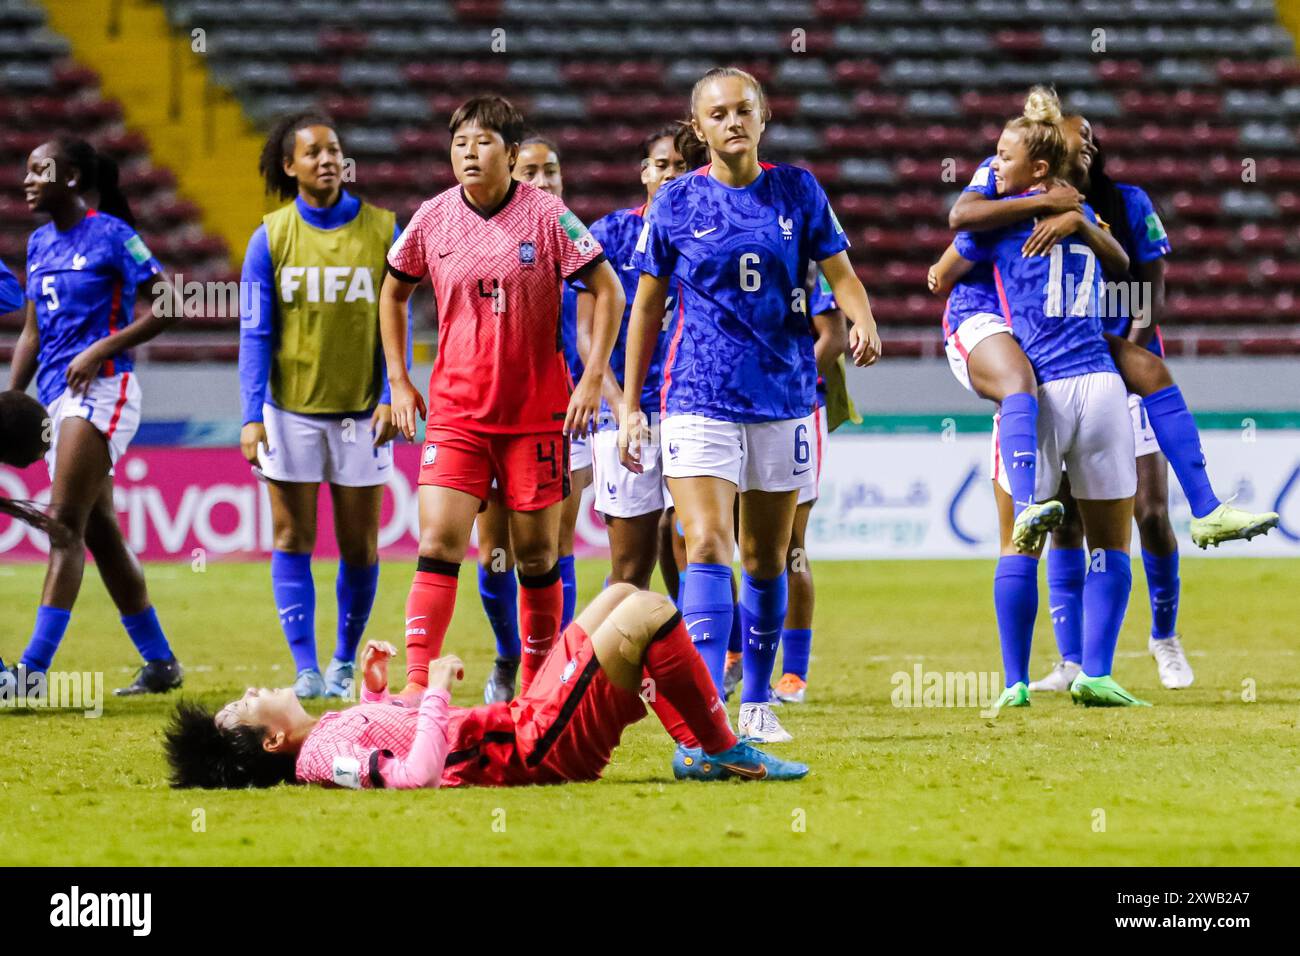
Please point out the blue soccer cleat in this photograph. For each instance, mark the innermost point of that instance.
(340, 680)
(309, 683)
(743, 760)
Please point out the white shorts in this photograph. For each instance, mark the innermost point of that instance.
(315, 448)
(111, 404)
(1083, 424)
(969, 334)
(1144, 437)
(819, 453)
(755, 456)
(625, 494)
(579, 453)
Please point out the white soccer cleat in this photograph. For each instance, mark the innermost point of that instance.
(1171, 662)
(757, 722)
(1061, 677)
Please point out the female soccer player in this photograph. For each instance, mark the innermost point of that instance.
(83, 270)
(732, 242)
(564, 728)
(311, 379)
(496, 251)
(631, 503)
(1085, 422)
(538, 164)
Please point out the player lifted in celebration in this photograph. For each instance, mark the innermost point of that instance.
(631, 502)
(83, 270)
(732, 243)
(538, 164)
(564, 728)
(496, 251)
(313, 384)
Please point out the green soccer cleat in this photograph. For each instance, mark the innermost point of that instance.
(1226, 523)
(1035, 521)
(1102, 692)
(1017, 695)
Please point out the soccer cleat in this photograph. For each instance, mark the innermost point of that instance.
(500, 686)
(1102, 692)
(340, 679)
(743, 760)
(8, 682)
(1017, 695)
(156, 677)
(23, 684)
(1061, 677)
(732, 674)
(757, 722)
(1171, 662)
(790, 689)
(309, 683)
(1226, 523)
(1035, 521)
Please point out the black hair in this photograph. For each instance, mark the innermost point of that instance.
(667, 131)
(97, 173)
(1107, 201)
(491, 112)
(23, 421)
(201, 754)
(278, 149)
(532, 138)
(692, 149)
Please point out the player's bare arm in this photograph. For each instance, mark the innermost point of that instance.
(947, 272)
(864, 340)
(26, 350)
(407, 403)
(609, 387)
(1152, 275)
(973, 212)
(584, 405)
(642, 331)
(832, 339)
(85, 367)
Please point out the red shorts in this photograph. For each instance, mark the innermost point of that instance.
(564, 730)
(531, 470)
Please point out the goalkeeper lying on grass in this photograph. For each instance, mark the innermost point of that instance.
(625, 644)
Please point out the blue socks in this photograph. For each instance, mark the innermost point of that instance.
(1015, 599)
(295, 600)
(762, 612)
(1105, 599)
(1018, 440)
(51, 623)
(147, 635)
(796, 647)
(707, 612)
(1179, 439)
(735, 640)
(569, 585)
(355, 590)
(1066, 570)
(499, 592)
(1162, 586)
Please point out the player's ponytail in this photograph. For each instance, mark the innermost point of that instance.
(97, 173)
(1107, 201)
(29, 513)
(278, 149)
(1039, 128)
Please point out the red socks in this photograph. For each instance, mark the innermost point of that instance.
(541, 603)
(684, 697)
(428, 613)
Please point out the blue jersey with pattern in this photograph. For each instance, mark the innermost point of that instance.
(974, 292)
(617, 234)
(1148, 241)
(740, 348)
(83, 283)
(1049, 301)
(569, 330)
(11, 291)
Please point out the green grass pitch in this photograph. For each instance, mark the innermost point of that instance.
(1206, 776)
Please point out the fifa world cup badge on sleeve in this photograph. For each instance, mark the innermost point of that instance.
(347, 772)
(138, 250)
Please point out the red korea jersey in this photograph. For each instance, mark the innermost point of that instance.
(497, 281)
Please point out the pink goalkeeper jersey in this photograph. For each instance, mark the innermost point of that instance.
(497, 281)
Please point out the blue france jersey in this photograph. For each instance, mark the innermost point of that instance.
(83, 283)
(974, 292)
(11, 291)
(569, 330)
(1049, 301)
(740, 348)
(1148, 241)
(617, 234)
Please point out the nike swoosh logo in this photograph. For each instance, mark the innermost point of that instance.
(751, 773)
(286, 610)
(701, 233)
(1024, 454)
(535, 640)
(803, 471)
(444, 255)
(763, 633)
(1059, 607)
(629, 267)
(410, 619)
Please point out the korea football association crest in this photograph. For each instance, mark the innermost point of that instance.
(430, 454)
(527, 254)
